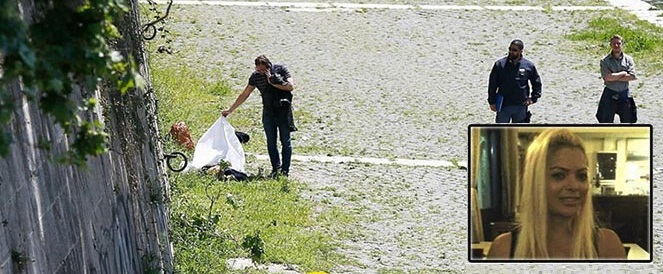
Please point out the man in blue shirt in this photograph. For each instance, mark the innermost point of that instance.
(509, 86)
(617, 69)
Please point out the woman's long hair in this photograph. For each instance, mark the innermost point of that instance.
(532, 240)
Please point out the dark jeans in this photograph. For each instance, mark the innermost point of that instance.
(512, 113)
(272, 122)
(613, 102)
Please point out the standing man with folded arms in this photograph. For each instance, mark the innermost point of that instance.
(617, 70)
(509, 86)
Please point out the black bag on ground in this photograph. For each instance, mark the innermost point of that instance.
(243, 137)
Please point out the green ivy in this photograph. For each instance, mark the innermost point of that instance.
(66, 47)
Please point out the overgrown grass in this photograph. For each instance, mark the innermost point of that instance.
(185, 95)
(212, 219)
(643, 40)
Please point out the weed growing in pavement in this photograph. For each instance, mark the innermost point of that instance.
(454, 162)
(642, 39)
(19, 260)
(515, 2)
(548, 3)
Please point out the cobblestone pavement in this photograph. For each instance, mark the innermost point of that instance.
(404, 83)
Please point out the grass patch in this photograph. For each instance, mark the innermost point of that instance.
(184, 95)
(642, 39)
(213, 221)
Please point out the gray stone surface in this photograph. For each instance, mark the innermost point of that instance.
(406, 84)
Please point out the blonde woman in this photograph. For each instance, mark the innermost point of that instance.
(557, 218)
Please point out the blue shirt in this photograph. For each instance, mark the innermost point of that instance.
(512, 80)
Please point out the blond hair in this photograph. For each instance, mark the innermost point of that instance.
(532, 240)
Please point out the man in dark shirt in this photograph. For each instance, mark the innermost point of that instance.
(275, 85)
(509, 86)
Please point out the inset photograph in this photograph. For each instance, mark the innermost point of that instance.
(560, 193)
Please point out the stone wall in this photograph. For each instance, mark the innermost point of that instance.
(109, 217)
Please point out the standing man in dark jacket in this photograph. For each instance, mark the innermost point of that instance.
(275, 85)
(509, 86)
(617, 69)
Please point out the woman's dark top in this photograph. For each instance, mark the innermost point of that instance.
(516, 230)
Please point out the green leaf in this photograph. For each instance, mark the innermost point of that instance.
(63, 46)
(55, 84)
(27, 55)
